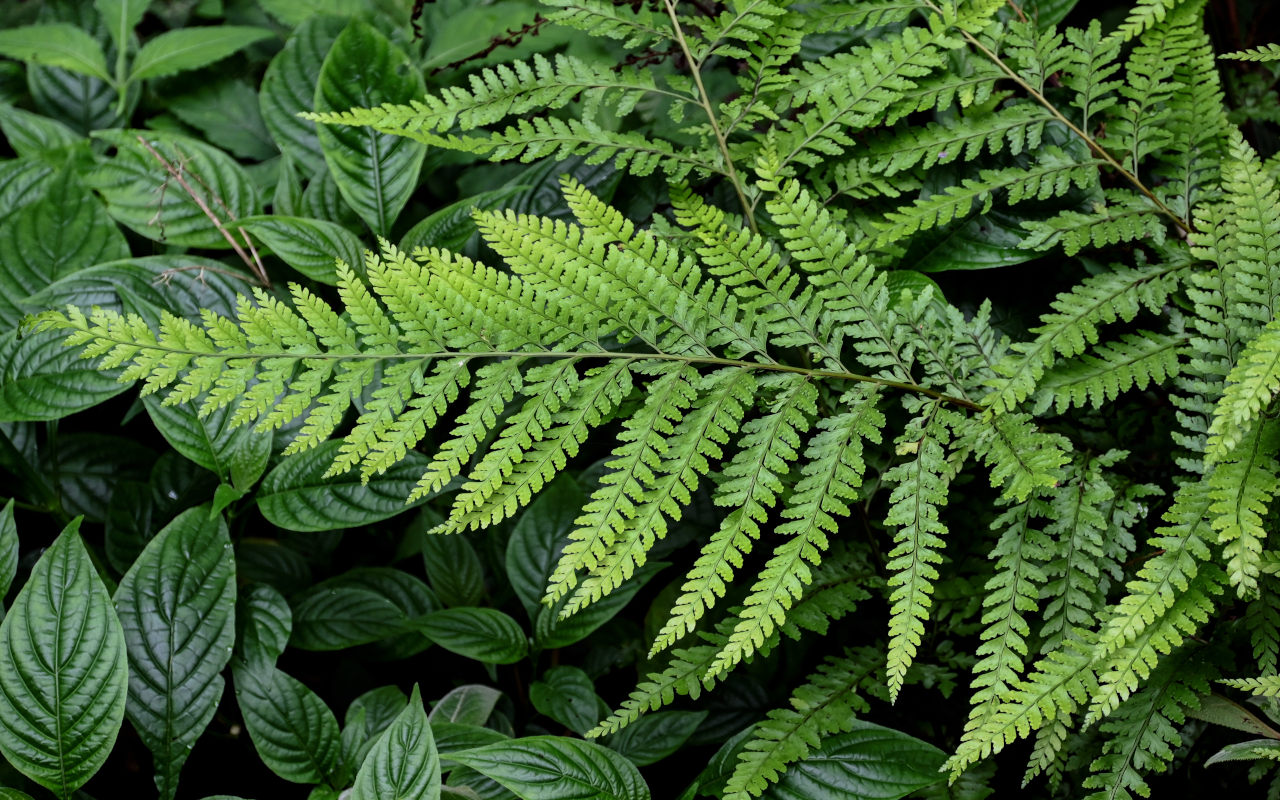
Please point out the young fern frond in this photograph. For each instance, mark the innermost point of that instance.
(1267, 52)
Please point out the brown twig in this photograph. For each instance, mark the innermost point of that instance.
(254, 263)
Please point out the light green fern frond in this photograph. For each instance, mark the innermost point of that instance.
(1242, 486)
(919, 492)
(1267, 52)
(1251, 386)
(1135, 360)
(829, 479)
(1125, 217)
(1266, 686)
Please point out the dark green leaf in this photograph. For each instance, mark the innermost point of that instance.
(56, 44)
(236, 454)
(297, 497)
(655, 736)
(466, 705)
(294, 732)
(376, 172)
(189, 48)
(130, 182)
(264, 622)
(8, 549)
(289, 85)
(452, 227)
(555, 768)
(88, 466)
(41, 379)
(404, 763)
(551, 632)
(63, 670)
(870, 762)
(454, 569)
(227, 113)
(268, 561)
(64, 231)
(176, 607)
(1251, 750)
(453, 737)
(23, 181)
(566, 695)
(484, 634)
(357, 608)
(34, 136)
(311, 246)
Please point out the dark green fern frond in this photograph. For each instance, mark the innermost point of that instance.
(1124, 217)
(1243, 485)
(634, 26)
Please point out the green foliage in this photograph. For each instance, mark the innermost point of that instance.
(674, 401)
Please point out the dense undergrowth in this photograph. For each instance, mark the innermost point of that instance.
(638, 399)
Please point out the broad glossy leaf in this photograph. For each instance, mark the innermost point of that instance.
(403, 765)
(264, 622)
(377, 709)
(466, 705)
(485, 634)
(363, 605)
(236, 454)
(88, 466)
(322, 200)
(8, 549)
(297, 497)
(138, 510)
(270, 562)
(988, 241)
(82, 102)
(537, 539)
(1252, 750)
(64, 231)
(182, 284)
(22, 181)
(655, 736)
(289, 87)
(41, 379)
(177, 609)
(376, 172)
(311, 246)
(567, 695)
(294, 732)
(454, 569)
(35, 136)
(63, 670)
(454, 737)
(190, 48)
(129, 182)
(56, 44)
(556, 768)
(871, 762)
(227, 112)
(13, 794)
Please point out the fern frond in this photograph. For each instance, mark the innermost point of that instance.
(1074, 568)
(699, 436)
(742, 23)
(1023, 459)
(642, 444)
(634, 26)
(825, 704)
(1143, 731)
(1144, 15)
(1267, 52)
(1265, 686)
(1251, 386)
(919, 491)
(1242, 486)
(1059, 683)
(1263, 623)
(1073, 325)
(1011, 593)
(829, 480)
(1112, 368)
(750, 485)
(1126, 217)
(1053, 174)
(1090, 72)
(1016, 128)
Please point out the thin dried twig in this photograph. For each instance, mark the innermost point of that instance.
(254, 263)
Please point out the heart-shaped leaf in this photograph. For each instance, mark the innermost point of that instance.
(403, 765)
(556, 768)
(376, 172)
(63, 670)
(176, 606)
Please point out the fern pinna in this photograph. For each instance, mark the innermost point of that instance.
(766, 341)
